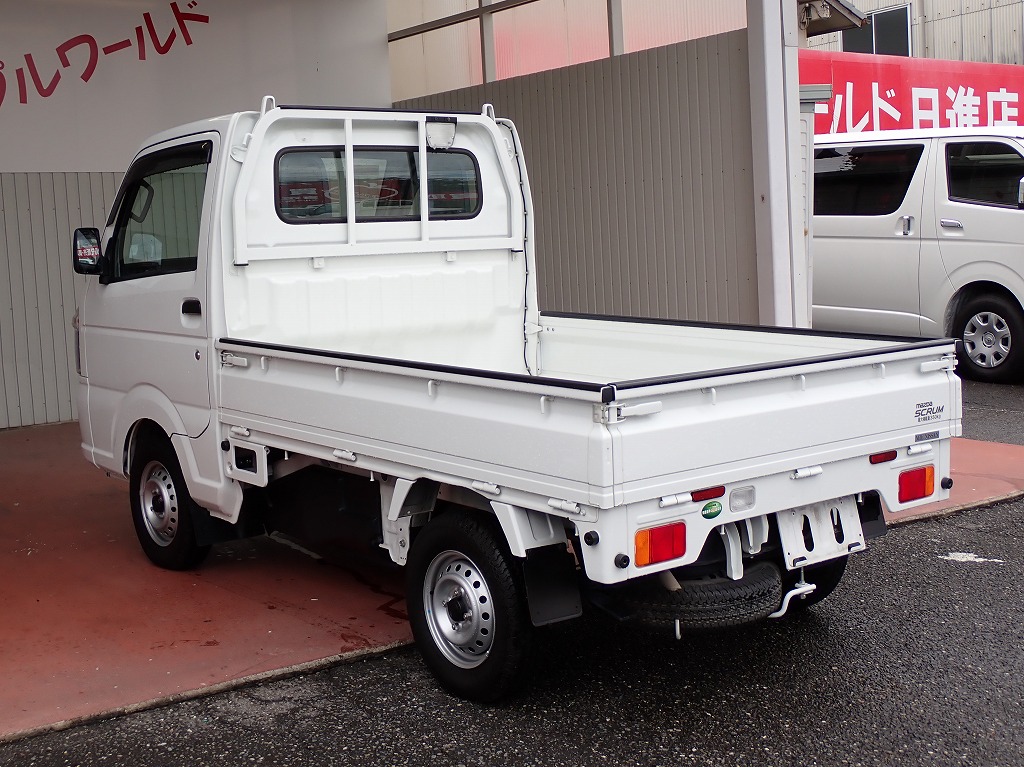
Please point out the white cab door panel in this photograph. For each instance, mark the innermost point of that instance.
(145, 323)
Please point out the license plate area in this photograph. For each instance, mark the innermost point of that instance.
(820, 532)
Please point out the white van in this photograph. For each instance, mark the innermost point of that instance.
(921, 233)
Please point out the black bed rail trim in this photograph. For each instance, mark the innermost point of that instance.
(450, 369)
(908, 340)
(608, 391)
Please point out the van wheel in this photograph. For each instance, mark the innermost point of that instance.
(992, 330)
(466, 606)
(162, 508)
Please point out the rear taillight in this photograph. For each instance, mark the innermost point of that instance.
(660, 544)
(917, 483)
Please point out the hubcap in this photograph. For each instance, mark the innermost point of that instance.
(457, 605)
(987, 339)
(159, 502)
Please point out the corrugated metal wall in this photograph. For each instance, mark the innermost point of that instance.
(641, 170)
(39, 290)
(985, 31)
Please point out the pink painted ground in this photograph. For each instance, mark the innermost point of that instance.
(88, 625)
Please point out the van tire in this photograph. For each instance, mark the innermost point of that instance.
(460, 558)
(991, 330)
(162, 509)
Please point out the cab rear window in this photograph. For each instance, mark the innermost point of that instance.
(311, 185)
(863, 180)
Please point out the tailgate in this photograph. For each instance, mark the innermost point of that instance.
(739, 426)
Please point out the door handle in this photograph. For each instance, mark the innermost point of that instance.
(191, 306)
(908, 223)
(950, 223)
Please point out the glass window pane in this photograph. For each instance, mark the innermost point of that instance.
(453, 187)
(387, 184)
(437, 61)
(863, 181)
(157, 229)
(987, 172)
(549, 34)
(892, 32)
(859, 40)
(409, 13)
(311, 186)
(652, 23)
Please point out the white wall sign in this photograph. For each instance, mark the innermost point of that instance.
(83, 82)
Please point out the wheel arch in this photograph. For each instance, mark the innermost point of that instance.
(972, 290)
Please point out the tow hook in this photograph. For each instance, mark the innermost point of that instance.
(800, 589)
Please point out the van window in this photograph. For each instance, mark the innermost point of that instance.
(159, 210)
(310, 185)
(987, 172)
(863, 180)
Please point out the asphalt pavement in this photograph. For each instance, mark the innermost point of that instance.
(915, 660)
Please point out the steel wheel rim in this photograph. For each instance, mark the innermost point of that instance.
(458, 608)
(987, 339)
(158, 499)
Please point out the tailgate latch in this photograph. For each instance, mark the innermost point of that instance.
(614, 413)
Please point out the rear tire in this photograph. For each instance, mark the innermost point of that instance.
(467, 607)
(162, 508)
(991, 328)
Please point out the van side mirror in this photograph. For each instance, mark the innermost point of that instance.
(87, 256)
(1020, 193)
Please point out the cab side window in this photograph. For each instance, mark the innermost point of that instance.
(984, 172)
(863, 180)
(159, 212)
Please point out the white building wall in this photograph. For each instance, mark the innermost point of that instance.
(84, 82)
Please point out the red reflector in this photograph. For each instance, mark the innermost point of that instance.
(708, 493)
(660, 544)
(888, 455)
(917, 483)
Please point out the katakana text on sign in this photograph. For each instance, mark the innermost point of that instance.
(81, 54)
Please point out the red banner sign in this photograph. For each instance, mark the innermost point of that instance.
(891, 92)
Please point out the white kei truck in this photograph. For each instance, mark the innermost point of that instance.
(313, 310)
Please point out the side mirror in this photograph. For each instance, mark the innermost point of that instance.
(87, 256)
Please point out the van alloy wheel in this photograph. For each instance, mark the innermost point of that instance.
(990, 327)
(987, 339)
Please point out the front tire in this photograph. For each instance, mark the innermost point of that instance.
(991, 328)
(162, 508)
(467, 608)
